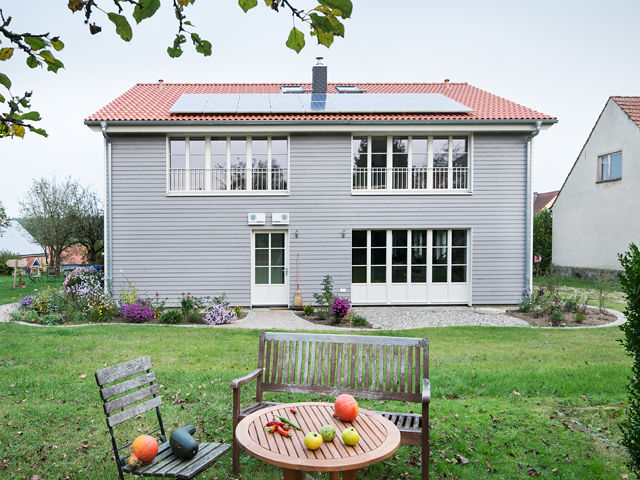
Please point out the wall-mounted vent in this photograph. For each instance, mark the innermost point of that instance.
(279, 219)
(292, 89)
(348, 89)
(256, 218)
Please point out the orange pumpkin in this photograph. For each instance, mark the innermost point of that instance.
(346, 407)
(134, 461)
(144, 448)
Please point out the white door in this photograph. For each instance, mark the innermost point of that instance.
(269, 272)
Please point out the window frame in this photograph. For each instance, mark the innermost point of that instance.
(208, 191)
(608, 156)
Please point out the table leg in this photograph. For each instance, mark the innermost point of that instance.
(349, 475)
(334, 475)
(288, 474)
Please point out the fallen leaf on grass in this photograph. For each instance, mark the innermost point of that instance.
(533, 472)
(84, 375)
(462, 459)
(515, 393)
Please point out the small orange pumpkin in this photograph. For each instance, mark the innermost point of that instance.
(144, 448)
(346, 407)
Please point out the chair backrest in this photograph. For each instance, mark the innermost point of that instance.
(390, 368)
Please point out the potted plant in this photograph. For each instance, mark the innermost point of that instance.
(20, 281)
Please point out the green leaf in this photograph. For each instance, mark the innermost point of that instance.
(39, 131)
(36, 43)
(324, 38)
(338, 27)
(4, 80)
(32, 62)
(53, 64)
(247, 5)
(296, 40)
(35, 116)
(6, 53)
(320, 22)
(202, 46)
(145, 9)
(1, 99)
(122, 26)
(176, 50)
(57, 44)
(345, 6)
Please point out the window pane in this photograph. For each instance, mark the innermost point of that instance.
(459, 145)
(378, 256)
(440, 152)
(177, 153)
(439, 256)
(277, 275)
(419, 152)
(277, 240)
(359, 275)
(238, 148)
(616, 165)
(378, 274)
(262, 275)
(419, 256)
(378, 238)
(459, 274)
(400, 146)
(439, 274)
(399, 238)
(399, 274)
(279, 146)
(196, 153)
(419, 238)
(262, 240)
(262, 258)
(459, 256)
(379, 160)
(359, 256)
(379, 145)
(399, 256)
(459, 238)
(218, 146)
(460, 160)
(277, 256)
(259, 153)
(359, 238)
(418, 274)
(439, 238)
(359, 145)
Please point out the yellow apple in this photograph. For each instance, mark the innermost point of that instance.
(350, 436)
(312, 440)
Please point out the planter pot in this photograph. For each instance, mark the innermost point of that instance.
(20, 284)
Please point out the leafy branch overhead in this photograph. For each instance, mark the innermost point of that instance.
(324, 22)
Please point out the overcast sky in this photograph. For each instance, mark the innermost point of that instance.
(564, 58)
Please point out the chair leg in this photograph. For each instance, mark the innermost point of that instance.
(425, 441)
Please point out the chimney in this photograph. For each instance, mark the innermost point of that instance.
(446, 82)
(319, 77)
(160, 82)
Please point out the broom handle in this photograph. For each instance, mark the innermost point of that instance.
(298, 269)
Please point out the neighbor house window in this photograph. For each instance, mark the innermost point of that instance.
(229, 164)
(610, 167)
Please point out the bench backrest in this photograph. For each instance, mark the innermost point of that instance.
(390, 368)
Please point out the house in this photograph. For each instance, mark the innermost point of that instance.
(73, 257)
(542, 201)
(595, 216)
(15, 239)
(405, 193)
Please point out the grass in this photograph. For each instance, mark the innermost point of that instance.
(572, 285)
(9, 295)
(506, 399)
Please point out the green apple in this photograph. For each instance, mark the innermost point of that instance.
(328, 433)
(312, 440)
(350, 436)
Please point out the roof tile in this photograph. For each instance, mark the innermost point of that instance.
(631, 106)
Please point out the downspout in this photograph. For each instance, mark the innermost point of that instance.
(107, 210)
(528, 286)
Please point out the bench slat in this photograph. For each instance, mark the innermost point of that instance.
(112, 390)
(349, 339)
(134, 411)
(410, 369)
(122, 370)
(134, 397)
(199, 465)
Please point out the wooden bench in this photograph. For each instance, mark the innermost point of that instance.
(368, 367)
(122, 387)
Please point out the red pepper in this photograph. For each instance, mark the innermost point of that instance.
(293, 410)
(282, 431)
(274, 422)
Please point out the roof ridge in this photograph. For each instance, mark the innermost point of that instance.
(303, 83)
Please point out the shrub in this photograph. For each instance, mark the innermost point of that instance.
(221, 300)
(527, 304)
(171, 316)
(51, 319)
(84, 293)
(322, 314)
(81, 279)
(571, 303)
(28, 316)
(579, 317)
(45, 301)
(325, 297)
(4, 256)
(137, 312)
(238, 311)
(630, 282)
(555, 316)
(219, 314)
(340, 308)
(308, 309)
(542, 239)
(194, 317)
(604, 286)
(359, 321)
(189, 303)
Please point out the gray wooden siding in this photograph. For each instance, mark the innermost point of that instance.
(201, 245)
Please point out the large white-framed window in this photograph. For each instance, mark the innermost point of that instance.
(411, 164)
(228, 165)
(610, 167)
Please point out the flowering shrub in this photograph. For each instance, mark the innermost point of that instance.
(26, 301)
(340, 308)
(189, 303)
(45, 301)
(84, 288)
(80, 279)
(219, 314)
(137, 312)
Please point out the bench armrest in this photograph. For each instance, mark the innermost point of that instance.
(426, 391)
(238, 382)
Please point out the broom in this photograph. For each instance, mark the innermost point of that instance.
(297, 298)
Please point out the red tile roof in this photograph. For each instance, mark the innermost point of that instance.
(152, 101)
(631, 106)
(544, 200)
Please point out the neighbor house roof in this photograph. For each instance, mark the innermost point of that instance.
(15, 239)
(152, 101)
(631, 106)
(544, 200)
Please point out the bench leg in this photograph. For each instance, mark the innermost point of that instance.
(425, 442)
(349, 475)
(291, 474)
(236, 445)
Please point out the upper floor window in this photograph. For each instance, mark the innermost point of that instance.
(410, 163)
(229, 164)
(610, 167)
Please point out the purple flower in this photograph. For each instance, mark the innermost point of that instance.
(137, 312)
(26, 301)
(218, 315)
(340, 307)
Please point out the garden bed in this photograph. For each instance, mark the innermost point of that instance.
(591, 319)
(329, 322)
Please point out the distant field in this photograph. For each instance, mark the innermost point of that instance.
(571, 285)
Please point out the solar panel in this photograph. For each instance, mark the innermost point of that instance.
(328, 103)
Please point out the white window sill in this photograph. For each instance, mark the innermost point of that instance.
(411, 192)
(227, 193)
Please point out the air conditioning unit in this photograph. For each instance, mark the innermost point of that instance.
(279, 219)
(256, 218)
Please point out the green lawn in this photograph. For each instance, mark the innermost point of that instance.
(572, 285)
(513, 401)
(9, 295)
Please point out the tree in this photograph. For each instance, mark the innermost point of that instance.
(4, 220)
(49, 209)
(88, 224)
(630, 282)
(542, 236)
(323, 21)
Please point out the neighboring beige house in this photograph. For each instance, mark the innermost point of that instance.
(597, 212)
(544, 200)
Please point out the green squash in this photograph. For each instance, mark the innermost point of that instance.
(183, 444)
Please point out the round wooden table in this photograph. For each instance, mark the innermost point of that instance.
(379, 439)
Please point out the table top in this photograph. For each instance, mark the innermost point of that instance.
(379, 438)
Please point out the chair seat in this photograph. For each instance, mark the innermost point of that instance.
(166, 464)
